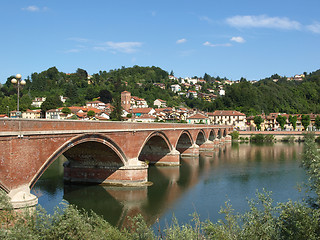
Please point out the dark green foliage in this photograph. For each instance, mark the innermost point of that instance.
(281, 120)
(91, 113)
(259, 138)
(116, 101)
(257, 121)
(305, 121)
(51, 102)
(105, 96)
(293, 121)
(311, 163)
(71, 93)
(235, 135)
(283, 96)
(66, 110)
(264, 96)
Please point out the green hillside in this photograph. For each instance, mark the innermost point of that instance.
(265, 95)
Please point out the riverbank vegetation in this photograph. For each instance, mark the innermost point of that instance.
(264, 219)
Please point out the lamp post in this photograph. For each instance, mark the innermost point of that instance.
(19, 83)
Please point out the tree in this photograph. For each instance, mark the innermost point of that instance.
(72, 93)
(116, 113)
(281, 120)
(51, 102)
(116, 101)
(257, 121)
(82, 73)
(317, 122)
(66, 110)
(305, 121)
(91, 113)
(293, 121)
(105, 96)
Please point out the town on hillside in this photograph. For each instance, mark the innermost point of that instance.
(136, 109)
(150, 94)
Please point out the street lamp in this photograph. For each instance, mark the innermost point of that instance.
(19, 83)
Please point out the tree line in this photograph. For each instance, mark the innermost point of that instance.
(266, 95)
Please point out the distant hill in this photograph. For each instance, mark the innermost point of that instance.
(272, 94)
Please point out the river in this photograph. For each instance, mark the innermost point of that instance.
(232, 172)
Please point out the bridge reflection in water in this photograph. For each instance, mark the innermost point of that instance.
(171, 184)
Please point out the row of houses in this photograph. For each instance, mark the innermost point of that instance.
(236, 119)
(270, 122)
(102, 112)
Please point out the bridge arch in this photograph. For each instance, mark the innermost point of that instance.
(212, 135)
(155, 147)
(224, 133)
(201, 138)
(219, 134)
(184, 142)
(84, 142)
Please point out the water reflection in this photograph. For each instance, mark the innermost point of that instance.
(200, 184)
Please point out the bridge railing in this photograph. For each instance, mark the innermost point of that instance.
(36, 125)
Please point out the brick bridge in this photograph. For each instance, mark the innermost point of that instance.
(97, 152)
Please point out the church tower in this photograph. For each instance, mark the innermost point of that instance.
(125, 100)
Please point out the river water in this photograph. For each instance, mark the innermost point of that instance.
(232, 172)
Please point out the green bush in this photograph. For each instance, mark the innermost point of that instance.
(235, 135)
(260, 138)
(288, 139)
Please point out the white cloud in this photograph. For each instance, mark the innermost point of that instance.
(238, 39)
(34, 9)
(183, 40)
(125, 47)
(315, 27)
(72, 51)
(263, 21)
(31, 9)
(81, 40)
(207, 19)
(209, 44)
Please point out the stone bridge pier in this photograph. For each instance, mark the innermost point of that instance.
(114, 153)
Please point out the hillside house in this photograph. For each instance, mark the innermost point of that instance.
(175, 88)
(160, 103)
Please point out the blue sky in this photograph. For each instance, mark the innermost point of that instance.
(226, 38)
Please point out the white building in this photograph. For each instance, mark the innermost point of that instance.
(37, 102)
(192, 94)
(175, 88)
(160, 103)
(222, 92)
(32, 114)
(96, 104)
(228, 117)
(137, 102)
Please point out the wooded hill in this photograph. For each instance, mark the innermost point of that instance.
(263, 96)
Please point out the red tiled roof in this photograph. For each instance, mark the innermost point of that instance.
(33, 111)
(141, 110)
(226, 113)
(197, 116)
